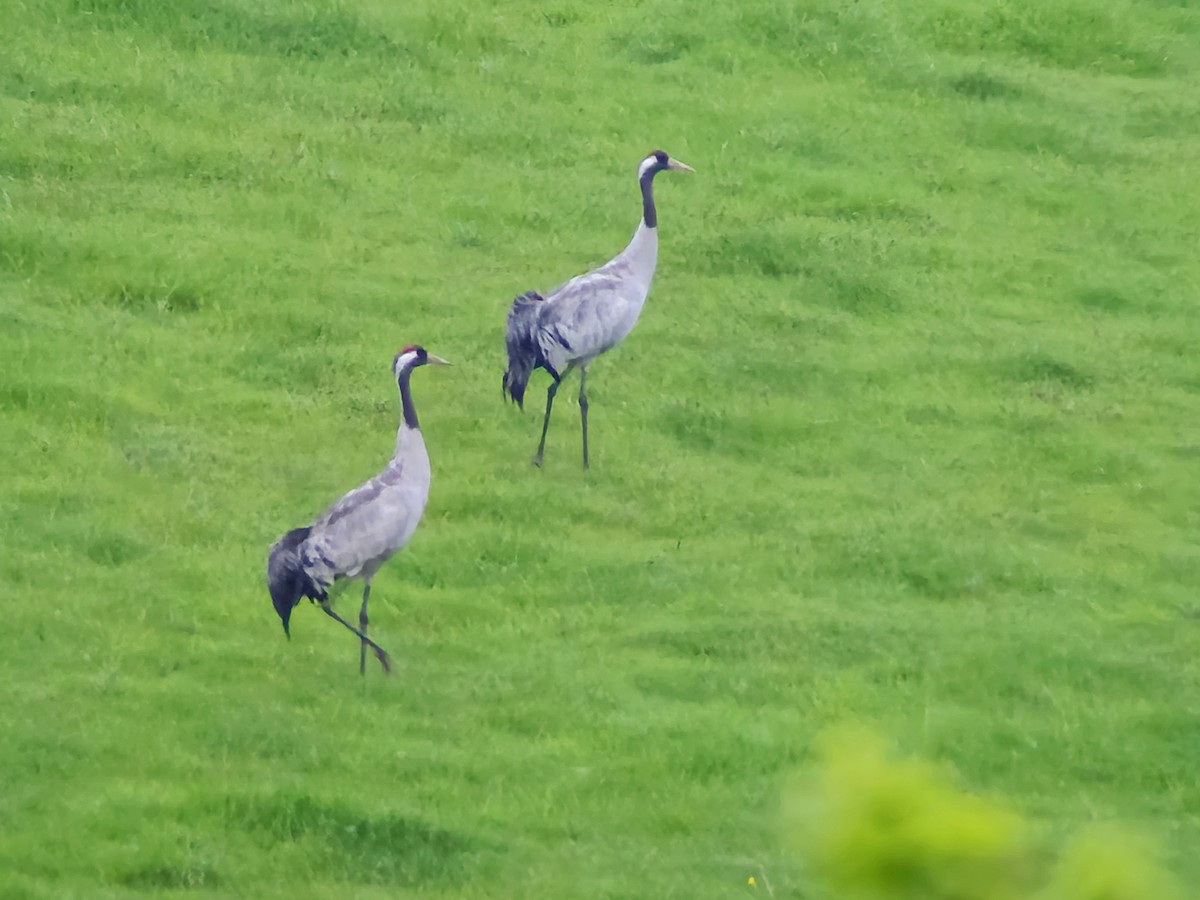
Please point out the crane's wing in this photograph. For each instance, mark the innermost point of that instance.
(586, 315)
(364, 527)
(360, 497)
(521, 342)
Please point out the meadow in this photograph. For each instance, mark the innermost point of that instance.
(908, 433)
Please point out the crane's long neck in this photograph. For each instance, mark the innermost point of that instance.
(406, 402)
(410, 457)
(641, 254)
(649, 213)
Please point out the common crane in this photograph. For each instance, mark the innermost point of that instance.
(358, 533)
(591, 313)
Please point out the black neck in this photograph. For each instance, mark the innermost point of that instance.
(410, 411)
(649, 214)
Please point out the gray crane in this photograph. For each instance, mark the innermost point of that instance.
(358, 533)
(591, 313)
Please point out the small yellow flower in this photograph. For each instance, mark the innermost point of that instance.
(750, 881)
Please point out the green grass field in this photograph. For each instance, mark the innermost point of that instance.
(908, 433)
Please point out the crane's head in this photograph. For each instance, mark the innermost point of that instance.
(412, 356)
(659, 161)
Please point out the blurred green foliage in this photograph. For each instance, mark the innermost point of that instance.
(872, 825)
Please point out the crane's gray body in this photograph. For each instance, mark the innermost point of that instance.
(362, 530)
(593, 312)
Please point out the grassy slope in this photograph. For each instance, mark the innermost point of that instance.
(909, 432)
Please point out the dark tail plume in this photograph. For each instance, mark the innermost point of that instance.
(286, 577)
(520, 337)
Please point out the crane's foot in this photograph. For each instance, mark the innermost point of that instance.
(362, 648)
(537, 461)
(384, 660)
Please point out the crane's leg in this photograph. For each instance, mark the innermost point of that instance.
(362, 624)
(583, 406)
(553, 389)
(384, 660)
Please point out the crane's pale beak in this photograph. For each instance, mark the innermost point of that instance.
(678, 166)
(437, 360)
